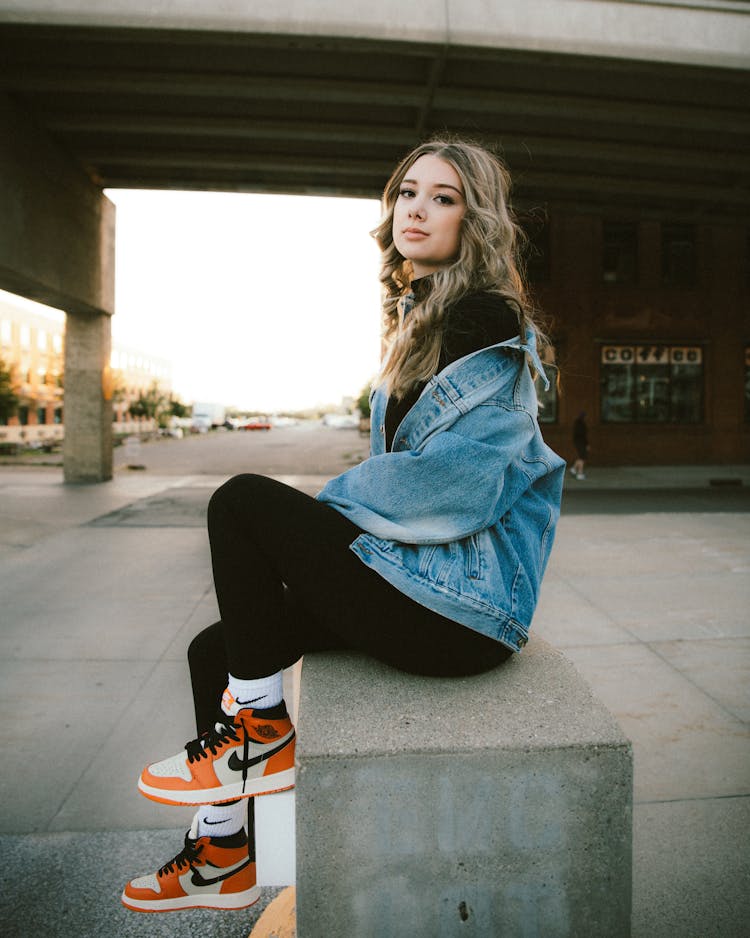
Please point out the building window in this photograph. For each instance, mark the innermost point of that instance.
(619, 252)
(651, 384)
(41, 415)
(678, 263)
(537, 251)
(548, 399)
(58, 415)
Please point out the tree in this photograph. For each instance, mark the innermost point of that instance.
(177, 408)
(363, 401)
(152, 403)
(119, 386)
(8, 397)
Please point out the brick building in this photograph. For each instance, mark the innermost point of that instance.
(651, 323)
(32, 341)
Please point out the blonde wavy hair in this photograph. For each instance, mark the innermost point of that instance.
(487, 260)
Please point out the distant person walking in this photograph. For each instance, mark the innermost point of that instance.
(581, 445)
(427, 556)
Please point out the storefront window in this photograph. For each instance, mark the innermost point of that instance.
(651, 384)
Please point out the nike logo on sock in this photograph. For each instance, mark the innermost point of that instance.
(214, 823)
(237, 765)
(243, 702)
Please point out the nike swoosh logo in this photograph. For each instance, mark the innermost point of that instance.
(237, 765)
(212, 823)
(198, 880)
(243, 702)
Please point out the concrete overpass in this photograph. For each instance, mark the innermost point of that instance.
(596, 105)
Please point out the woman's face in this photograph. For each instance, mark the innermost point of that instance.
(427, 215)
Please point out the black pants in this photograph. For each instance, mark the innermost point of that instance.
(287, 584)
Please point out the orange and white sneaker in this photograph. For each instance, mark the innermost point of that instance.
(250, 753)
(208, 873)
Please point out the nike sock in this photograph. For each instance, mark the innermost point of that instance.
(258, 693)
(221, 820)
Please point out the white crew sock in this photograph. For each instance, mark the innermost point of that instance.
(259, 693)
(221, 820)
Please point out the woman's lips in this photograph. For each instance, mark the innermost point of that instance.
(415, 233)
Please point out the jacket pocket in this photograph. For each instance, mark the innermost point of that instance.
(425, 560)
(472, 557)
(437, 562)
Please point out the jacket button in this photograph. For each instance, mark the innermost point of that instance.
(521, 642)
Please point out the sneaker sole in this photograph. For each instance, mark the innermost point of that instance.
(227, 901)
(253, 788)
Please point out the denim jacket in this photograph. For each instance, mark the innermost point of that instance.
(460, 514)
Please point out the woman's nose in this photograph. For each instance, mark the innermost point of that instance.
(416, 210)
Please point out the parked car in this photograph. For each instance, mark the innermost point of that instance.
(256, 423)
(341, 421)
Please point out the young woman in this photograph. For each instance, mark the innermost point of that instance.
(427, 556)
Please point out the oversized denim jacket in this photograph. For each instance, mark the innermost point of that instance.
(460, 514)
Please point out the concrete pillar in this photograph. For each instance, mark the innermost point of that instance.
(437, 807)
(87, 447)
(57, 244)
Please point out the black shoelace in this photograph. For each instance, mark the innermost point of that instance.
(186, 857)
(209, 742)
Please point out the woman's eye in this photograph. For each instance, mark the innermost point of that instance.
(407, 193)
(444, 200)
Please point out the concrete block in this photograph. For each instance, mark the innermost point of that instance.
(499, 804)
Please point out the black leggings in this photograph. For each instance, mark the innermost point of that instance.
(287, 584)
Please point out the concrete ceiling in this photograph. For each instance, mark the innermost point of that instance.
(195, 110)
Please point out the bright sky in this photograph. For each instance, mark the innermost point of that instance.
(264, 302)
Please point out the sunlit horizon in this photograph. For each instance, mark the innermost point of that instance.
(261, 302)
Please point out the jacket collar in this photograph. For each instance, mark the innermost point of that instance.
(459, 388)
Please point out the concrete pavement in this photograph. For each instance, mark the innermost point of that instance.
(103, 586)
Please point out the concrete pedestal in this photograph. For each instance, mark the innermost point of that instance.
(495, 805)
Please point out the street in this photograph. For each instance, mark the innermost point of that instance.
(305, 449)
(318, 452)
